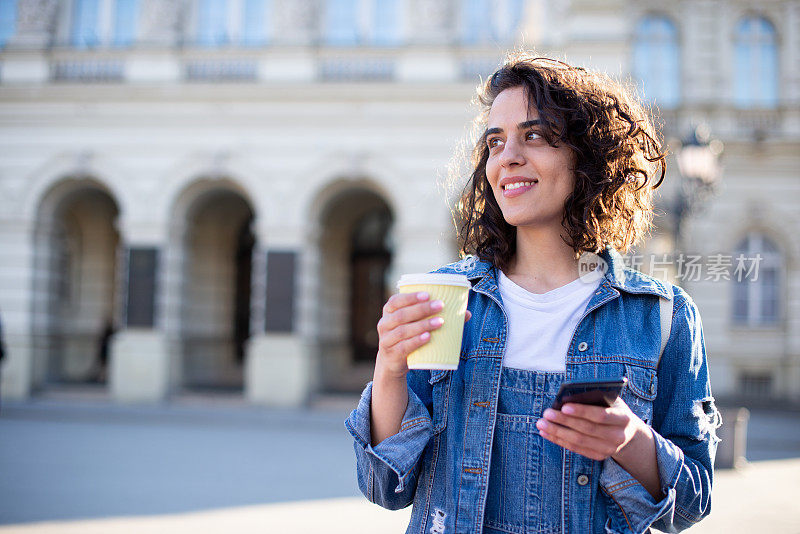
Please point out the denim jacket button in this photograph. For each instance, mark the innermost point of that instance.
(583, 480)
(582, 346)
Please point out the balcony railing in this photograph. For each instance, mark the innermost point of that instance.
(356, 69)
(758, 123)
(221, 70)
(472, 68)
(88, 70)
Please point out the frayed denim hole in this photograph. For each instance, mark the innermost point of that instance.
(708, 416)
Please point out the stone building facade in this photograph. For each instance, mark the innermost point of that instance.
(221, 194)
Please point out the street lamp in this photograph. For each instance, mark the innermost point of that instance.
(698, 164)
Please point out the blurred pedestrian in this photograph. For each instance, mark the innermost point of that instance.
(101, 363)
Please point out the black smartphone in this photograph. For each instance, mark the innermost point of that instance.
(597, 392)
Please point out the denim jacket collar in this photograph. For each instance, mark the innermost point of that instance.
(616, 275)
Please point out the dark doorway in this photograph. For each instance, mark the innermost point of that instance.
(215, 301)
(76, 254)
(241, 318)
(369, 263)
(355, 254)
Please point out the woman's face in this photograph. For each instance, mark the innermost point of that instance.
(518, 154)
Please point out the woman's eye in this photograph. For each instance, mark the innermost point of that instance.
(492, 143)
(533, 135)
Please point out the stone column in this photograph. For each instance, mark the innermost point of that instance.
(162, 22)
(35, 24)
(278, 364)
(790, 73)
(295, 28)
(544, 24)
(706, 52)
(296, 22)
(140, 357)
(431, 21)
(25, 61)
(431, 26)
(162, 28)
(16, 309)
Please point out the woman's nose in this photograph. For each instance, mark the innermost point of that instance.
(512, 154)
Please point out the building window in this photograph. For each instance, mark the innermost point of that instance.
(656, 57)
(490, 21)
(85, 30)
(756, 296)
(385, 28)
(234, 22)
(255, 23)
(212, 22)
(341, 22)
(126, 13)
(361, 22)
(756, 71)
(754, 385)
(474, 27)
(8, 20)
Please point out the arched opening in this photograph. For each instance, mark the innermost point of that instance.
(355, 247)
(656, 60)
(370, 259)
(757, 69)
(216, 249)
(76, 243)
(757, 282)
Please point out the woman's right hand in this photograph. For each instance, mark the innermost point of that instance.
(404, 327)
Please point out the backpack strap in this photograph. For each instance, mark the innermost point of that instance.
(665, 307)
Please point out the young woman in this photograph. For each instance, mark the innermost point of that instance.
(566, 166)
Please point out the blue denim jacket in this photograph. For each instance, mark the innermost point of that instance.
(439, 460)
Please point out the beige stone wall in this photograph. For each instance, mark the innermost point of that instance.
(760, 193)
(291, 144)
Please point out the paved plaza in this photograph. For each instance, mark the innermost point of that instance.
(75, 465)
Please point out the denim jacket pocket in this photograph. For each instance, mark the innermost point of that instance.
(641, 391)
(440, 381)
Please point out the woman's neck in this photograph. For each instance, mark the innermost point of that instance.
(543, 261)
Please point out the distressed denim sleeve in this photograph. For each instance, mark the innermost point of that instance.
(387, 473)
(685, 420)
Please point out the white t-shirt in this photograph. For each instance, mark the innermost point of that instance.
(541, 324)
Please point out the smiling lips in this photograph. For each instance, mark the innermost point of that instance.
(516, 185)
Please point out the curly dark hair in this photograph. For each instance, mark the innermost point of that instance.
(618, 155)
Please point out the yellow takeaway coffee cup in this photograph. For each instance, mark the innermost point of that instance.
(443, 349)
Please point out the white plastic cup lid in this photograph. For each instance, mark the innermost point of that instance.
(444, 279)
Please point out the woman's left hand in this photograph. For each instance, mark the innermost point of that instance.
(592, 431)
(599, 433)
